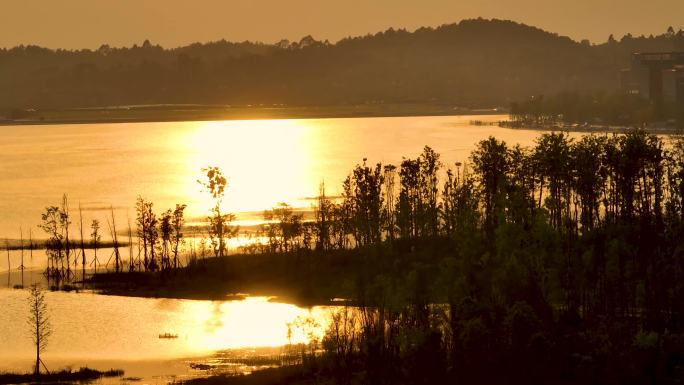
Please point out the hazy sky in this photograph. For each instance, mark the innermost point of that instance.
(90, 23)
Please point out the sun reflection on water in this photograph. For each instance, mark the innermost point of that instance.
(89, 327)
(266, 161)
(203, 327)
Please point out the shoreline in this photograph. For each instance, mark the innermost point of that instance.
(276, 295)
(589, 129)
(281, 277)
(162, 114)
(202, 113)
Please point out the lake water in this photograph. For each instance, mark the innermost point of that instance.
(123, 332)
(103, 166)
(266, 161)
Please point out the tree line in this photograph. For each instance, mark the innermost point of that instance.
(160, 238)
(596, 221)
(558, 262)
(478, 63)
(600, 108)
(561, 262)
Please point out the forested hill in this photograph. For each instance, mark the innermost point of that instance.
(471, 63)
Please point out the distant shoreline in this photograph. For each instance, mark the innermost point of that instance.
(205, 113)
(186, 113)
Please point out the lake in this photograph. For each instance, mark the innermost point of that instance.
(123, 332)
(103, 167)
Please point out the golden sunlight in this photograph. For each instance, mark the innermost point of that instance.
(254, 322)
(266, 162)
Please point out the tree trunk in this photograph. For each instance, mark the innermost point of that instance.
(37, 370)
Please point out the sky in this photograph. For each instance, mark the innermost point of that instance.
(75, 24)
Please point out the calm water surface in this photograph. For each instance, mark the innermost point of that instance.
(110, 331)
(267, 161)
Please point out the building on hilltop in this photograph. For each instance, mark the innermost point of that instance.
(658, 76)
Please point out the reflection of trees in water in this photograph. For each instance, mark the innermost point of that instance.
(167, 304)
(215, 321)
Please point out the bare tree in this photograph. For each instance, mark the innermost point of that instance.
(39, 323)
(115, 239)
(131, 261)
(21, 246)
(95, 236)
(83, 255)
(9, 266)
(65, 221)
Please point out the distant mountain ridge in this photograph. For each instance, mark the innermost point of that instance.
(473, 63)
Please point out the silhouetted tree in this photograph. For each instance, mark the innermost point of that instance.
(490, 163)
(39, 323)
(177, 223)
(165, 231)
(80, 230)
(390, 206)
(285, 227)
(95, 239)
(65, 221)
(144, 220)
(324, 216)
(367, 203)
(408, 205)
(219, 222)
(53, 226)
(429, 192)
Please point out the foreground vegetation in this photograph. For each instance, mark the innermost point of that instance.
(81, 375)
(560, 263)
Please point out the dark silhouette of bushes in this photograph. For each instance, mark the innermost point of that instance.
(81, 375)
(560, 263)
(556, 264)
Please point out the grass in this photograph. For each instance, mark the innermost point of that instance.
(304, 278)
(300, 278)
(67, 375)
